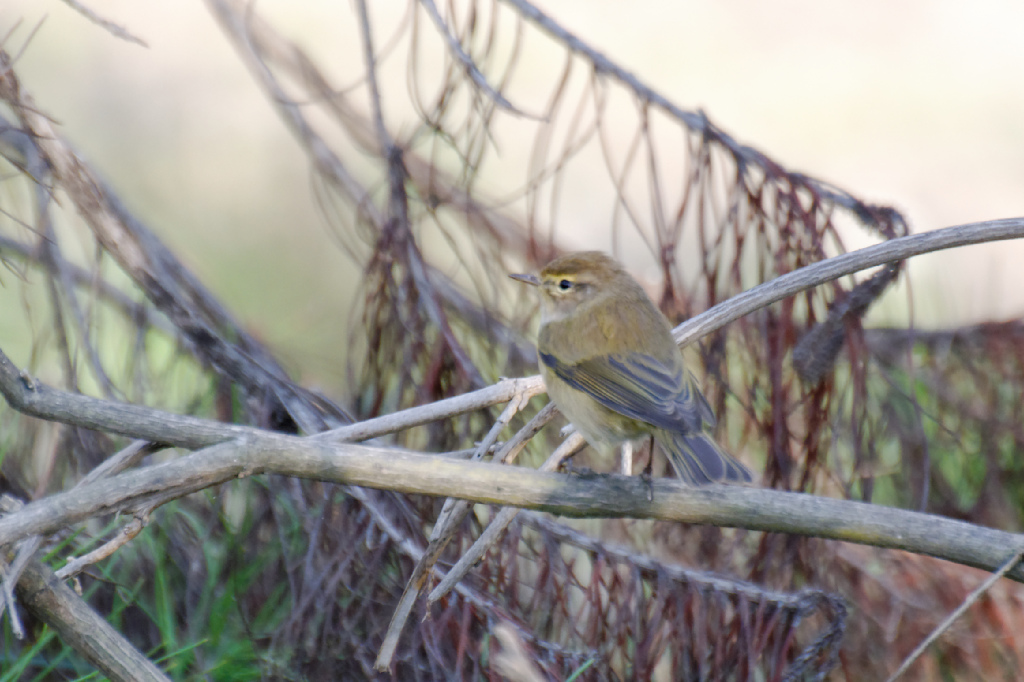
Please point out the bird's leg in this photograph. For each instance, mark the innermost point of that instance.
(649, 469)
(626, 461)
(568, 467)
(566, 464)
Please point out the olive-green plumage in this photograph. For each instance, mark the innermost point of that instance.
(611, 365)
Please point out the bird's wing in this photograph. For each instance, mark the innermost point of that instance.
(638, 386)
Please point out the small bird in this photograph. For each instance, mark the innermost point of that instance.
(613, 369)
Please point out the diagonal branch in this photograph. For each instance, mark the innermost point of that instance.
(467, 62)
(957, 612)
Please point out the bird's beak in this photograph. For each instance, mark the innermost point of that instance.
(529, 279)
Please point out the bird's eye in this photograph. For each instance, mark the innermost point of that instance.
(565, 285)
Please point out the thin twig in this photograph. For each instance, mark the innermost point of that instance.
(127, 533)
(959, 611)
(398, 208)
(28, 547)
(452, 514)
(501, 392)
(499, 523)
(114, 29)
(695, 121)
(131, 308)
(467, 62)
(9, 574)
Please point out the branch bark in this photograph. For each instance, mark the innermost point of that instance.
(609, 495)
(56, 604)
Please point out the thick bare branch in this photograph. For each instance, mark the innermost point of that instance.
(38, 400)
(56, 604)
(565, 495)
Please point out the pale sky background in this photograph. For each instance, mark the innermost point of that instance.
(918, 104)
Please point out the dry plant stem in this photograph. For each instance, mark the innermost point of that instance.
(121, 460)
(114, 29)
(501, 392)
(959, 611)
(410, 548)
(115, 297)
(695, 121)
(498, 524)
(714, 581)
(39, 400)
(123, 537)
(10, 574)
(511, 409)
(467, 62)
(78, 626)
(192, 432)
(452, 514)
(261, 41)
(511, 449)
(455, 511)
(251, 33)
(28, 547)
(398, 209)
(63, 294)
(175, 291)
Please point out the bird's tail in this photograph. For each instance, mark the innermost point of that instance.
(698, 460)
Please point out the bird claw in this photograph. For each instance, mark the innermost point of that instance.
(646, 477)
(567, 466)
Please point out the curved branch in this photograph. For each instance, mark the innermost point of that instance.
(830, 269)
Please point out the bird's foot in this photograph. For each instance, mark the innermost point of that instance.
(645, 475)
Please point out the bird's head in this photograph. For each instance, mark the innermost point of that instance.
(576, 279)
